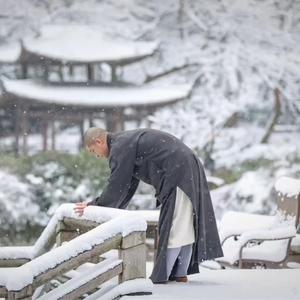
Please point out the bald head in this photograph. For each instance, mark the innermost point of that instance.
(92, 134)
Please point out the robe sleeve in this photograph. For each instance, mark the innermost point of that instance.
(121, 184)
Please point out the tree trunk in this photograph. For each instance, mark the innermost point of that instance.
(277, 112)
(180, 18)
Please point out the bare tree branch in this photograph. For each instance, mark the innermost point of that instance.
(150, 78)
(274, 120)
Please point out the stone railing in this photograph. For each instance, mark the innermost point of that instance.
(78, 240)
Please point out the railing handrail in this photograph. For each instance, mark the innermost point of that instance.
(121, 232)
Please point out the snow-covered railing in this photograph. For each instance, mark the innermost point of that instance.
(65, 225)
(119, 229)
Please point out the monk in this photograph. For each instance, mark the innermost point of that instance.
(187, 227)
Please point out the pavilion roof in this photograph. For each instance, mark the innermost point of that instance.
(94, 96)
(10, 53)
(78, 44)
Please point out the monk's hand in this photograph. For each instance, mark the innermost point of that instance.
(79, 208)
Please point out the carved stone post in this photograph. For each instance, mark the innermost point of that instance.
(133, 254)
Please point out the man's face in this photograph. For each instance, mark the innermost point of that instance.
(98, 148)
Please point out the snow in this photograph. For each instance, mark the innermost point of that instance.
(148, 215)
(295, 244)
(92, 213)
(9, 53)
(272, 251)
(15, 197)
(79, 43)
(240, 64)
(252, 192)
(230, 284)
(84, 242)
(83, 278)
(92, 96)
(215, 180)
(254, 227)
(254, 152)
(101, 214)
(287, 186)
(236, 223)
(117, 221)
(25, 252)
(276, 233)
(127, 287)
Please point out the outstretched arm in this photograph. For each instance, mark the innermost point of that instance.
(120, 182)
(115, 197)
(79, 208)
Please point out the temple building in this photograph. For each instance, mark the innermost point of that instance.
(72, 75)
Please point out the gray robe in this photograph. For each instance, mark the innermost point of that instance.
(163, 161)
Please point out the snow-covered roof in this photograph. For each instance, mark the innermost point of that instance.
(96, 96)
(78, 44)
(287, 186)
(9, 53)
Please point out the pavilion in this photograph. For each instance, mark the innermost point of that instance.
(74, 73)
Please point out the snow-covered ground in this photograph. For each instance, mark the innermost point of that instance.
(231, 284)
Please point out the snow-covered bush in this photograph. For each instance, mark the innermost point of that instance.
(31, 188)
(17, 204)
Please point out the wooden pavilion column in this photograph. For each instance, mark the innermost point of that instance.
(24, 70)
(71, 70)
(24, 126)
(17, 115)
(118, 120)
(114, 77)
(149, 111)
(53, 135)
(60, 73)
(91, 121)
(81, 128)
(45, 67)
(45, 133)
(109, 120)
(90, 72)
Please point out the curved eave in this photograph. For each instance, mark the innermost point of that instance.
(121, 57)
(40, 97)
(25, 54)
(33, 57)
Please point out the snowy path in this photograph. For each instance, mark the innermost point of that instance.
(231, 284)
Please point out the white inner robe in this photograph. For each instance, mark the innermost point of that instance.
(182, 231)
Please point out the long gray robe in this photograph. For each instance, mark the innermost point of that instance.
(163, 161)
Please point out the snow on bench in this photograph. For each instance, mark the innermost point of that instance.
(274, 234)
(235, 223)
(274, 246)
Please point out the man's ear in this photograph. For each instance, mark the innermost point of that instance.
(99, 142)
